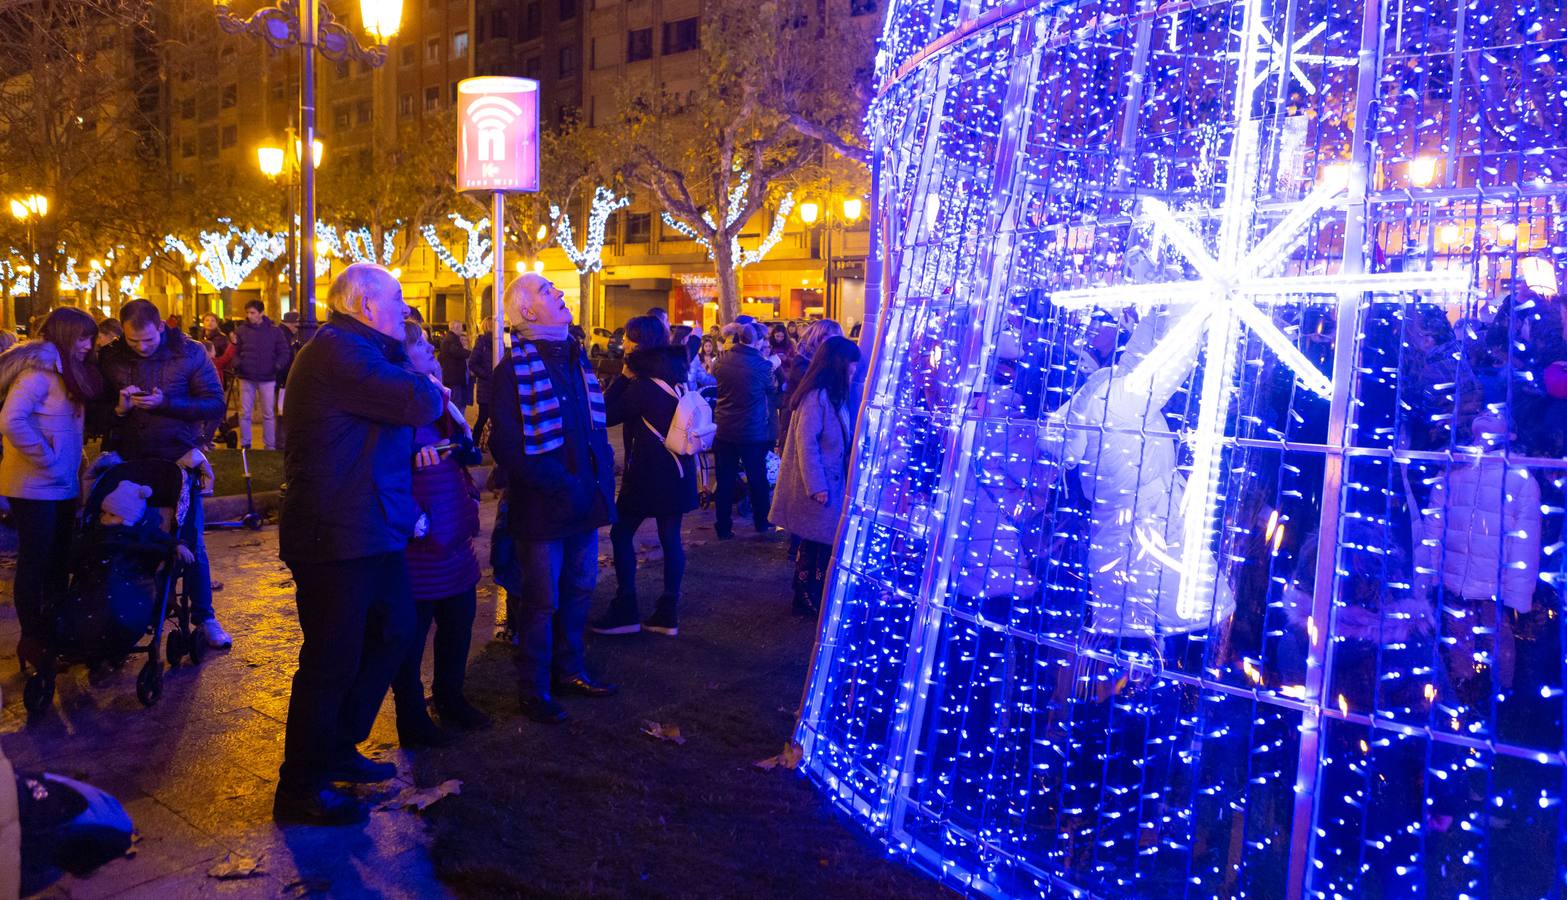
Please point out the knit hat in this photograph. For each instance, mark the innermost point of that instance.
(126, 504)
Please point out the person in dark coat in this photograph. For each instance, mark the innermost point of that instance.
(744, 415)
(656, 484)
(261, 354)
(163, 391)
(344, 527)
(549, 434)
(443, 570)
(454, 366)
(481, 366)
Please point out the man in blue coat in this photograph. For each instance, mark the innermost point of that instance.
(346, 520)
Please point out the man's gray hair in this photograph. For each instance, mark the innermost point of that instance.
(355, 283)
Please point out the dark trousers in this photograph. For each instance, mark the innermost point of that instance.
(43, 550)
(453, 620)
(198, 575)
(482, 420)
(558, 578)
(620, 535)
(358, 618)
(810, 574)
(730, 457)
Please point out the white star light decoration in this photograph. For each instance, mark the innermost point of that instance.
(478, 260)
(1229, 289)
(591, 257)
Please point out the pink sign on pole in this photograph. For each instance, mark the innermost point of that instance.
(497, 134)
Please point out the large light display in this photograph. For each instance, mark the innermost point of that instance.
(1205, 530)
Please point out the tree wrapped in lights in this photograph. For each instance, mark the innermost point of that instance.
(227, 257)
(1162, 570)
(478, 255)
(590, 257)
(738, 254)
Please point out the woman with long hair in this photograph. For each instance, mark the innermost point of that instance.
(47, 384)
(658, 484)
(813, 479)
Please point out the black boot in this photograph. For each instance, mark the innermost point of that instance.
(664, 619)
(316, 806)
(415, 731)
(621, 618)
(459, 713)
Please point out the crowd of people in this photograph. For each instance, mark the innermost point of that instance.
(379, 521)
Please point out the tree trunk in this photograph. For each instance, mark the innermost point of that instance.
(470, 306)
(585, 303)
(728, 280)
(269, 290)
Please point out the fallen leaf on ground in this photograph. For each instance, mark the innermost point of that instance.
(306, 887)
(421, 798)
(235, 865)
(669, 733)
(788, 759)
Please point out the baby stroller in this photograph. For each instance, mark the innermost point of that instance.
(706, 463)
(126, 581)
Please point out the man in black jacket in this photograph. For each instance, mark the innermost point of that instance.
(548, 435)
(260, 356)
(346, 520)
(744, 416)
(163, 389)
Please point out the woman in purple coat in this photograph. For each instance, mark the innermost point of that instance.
(443, 570)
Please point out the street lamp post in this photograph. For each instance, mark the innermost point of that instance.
(810, 211)
(311, 25)
(276, 163)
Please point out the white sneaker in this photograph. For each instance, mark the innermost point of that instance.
(214, 635)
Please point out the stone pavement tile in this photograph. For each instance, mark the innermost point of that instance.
(194, 882)
(221, 802)
(167, 845)
(385, 857)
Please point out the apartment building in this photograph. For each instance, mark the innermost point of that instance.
(538, 39)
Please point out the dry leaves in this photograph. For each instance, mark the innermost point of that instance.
(420, 799)
(235, 865)
(669, 733)
(788, 759)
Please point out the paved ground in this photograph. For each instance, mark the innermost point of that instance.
(197, 771)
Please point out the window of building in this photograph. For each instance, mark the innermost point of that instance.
(639, 44)
(230, 136)
(226, 55)
(499, 27)
(861, 7)
(639, 228)
(207, 106)
(187, 149)
(405, 105)
(406, 55)
(459, 45)
(230, 96)
(681, 36)
(568, 9)
(530, 22)
(342, 114)
(530, 67)
(188, 108)
(208, 138)
(432, 50)
(432, 98)
(363, 112)
(568, 61)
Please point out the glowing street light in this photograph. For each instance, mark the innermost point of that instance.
(270, 159)
(852, 207)
(809, 211)
(542, 233)
(32, 206)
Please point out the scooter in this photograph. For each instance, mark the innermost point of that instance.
(251, 520)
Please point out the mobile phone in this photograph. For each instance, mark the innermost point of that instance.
(445, 447)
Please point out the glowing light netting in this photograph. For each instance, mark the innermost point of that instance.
(1177, 294)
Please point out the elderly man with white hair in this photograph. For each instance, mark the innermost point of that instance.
(346, 519)
(548, 434)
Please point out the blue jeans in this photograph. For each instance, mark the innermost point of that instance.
(198, 575)
(558, 578)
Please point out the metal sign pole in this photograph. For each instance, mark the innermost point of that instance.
(498, 242)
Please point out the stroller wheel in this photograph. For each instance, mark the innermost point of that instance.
(251, 521)
(196, 646)
(37, 693)
(149, 683)
(174, 647)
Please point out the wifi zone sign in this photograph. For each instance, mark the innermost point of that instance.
(498, 134)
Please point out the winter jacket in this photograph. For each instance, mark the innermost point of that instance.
(816, 459)
(352, 410)
(480, 366)
(41, 424)
(192, 395)
(442, 563)
(1008, 502)
(746, 391)
(655, 482)
(1480, 532)
(223, 352)
(570, 489)
(1122, 446)
(261, 351)
(453, 357)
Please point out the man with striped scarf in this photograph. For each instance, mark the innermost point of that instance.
(548, 435)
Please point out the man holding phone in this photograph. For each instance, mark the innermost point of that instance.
(164, 390)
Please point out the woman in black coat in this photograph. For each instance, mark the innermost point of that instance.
(657, 484)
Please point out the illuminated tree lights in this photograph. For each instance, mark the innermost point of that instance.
(227, 257)
(478, 259)
(591, 257)
(741, 256)
(1209, 456)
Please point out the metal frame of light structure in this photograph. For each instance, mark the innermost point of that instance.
(310, 25)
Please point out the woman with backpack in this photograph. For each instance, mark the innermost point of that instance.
(814, 476)
(658, 483)
(47, 384)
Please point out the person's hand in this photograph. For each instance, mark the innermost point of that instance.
(820, 497)
(126, 401)
(184, 554)
(426, 457)
(150, 400)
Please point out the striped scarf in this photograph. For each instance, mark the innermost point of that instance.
(542, 426)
